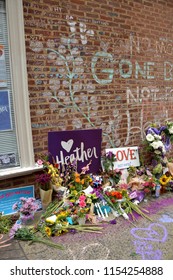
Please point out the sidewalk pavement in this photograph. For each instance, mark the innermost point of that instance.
(123, 241)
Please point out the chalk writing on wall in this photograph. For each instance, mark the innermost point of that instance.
(73, 87)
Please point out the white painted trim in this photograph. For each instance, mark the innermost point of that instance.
(15, 22)
(18, 171)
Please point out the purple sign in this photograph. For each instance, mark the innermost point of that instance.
(80, 145)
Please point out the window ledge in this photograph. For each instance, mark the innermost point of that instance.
(18, 171)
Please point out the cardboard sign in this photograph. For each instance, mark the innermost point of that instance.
(80, 145)
(10, 196)
(126, 157)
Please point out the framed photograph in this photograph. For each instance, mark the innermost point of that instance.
(7, 160)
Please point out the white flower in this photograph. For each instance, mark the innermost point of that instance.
(157, 152)
(156, 145)
(51, 219)
(157, 137)
(171, 130)
(150, 137)
(163, 150)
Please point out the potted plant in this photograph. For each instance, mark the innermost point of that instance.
(48, 180)
(43, 181)
(26, 207)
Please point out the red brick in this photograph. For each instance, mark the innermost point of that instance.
(118, 27)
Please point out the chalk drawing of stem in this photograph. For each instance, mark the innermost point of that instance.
(70, 77)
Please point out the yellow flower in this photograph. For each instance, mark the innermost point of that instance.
(82, 181)
(60, 231)
(75, 193)
(48, 231)
(164, 180)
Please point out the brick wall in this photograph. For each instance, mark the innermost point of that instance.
(99, 64)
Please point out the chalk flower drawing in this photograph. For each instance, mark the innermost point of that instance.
(71, 71)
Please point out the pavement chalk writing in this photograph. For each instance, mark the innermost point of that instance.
(2, 243)
(144, 236)
(166, 219)
(155, 232)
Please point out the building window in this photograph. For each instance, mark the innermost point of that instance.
(16, 147)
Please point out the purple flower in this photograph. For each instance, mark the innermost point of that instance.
(112, 222)
(15, 206)
(26, 206)
(98, 192)
(73, 230)
(110, 156)
(23, 199)
(43, 178)
(25, 218)
(13, 230)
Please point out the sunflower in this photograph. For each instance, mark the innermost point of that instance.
(164, 180)
(48, 231)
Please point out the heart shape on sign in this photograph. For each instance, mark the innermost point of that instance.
(67, 145)
(155, 232)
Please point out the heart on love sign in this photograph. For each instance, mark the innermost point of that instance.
(155, 232)
(67, 145)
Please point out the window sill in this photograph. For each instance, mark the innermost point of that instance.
(18, 171)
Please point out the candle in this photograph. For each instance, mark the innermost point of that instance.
(105, 209)
(100, 211)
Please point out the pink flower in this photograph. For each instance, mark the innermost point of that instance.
(15, 206)
(13, 230)
(116, 170)
(82, 203)
(39, 162)
(82, 197)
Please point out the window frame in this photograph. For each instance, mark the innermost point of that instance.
(16, 39)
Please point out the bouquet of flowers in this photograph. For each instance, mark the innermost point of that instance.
(50, 175)
(26, 207)
(82, 209)
(28, 234)
(154, 142)
(122, 204)
(110, 173)
(149, 185)
(165, 180)
(159, 138)
(43, 181)
(108, 161)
